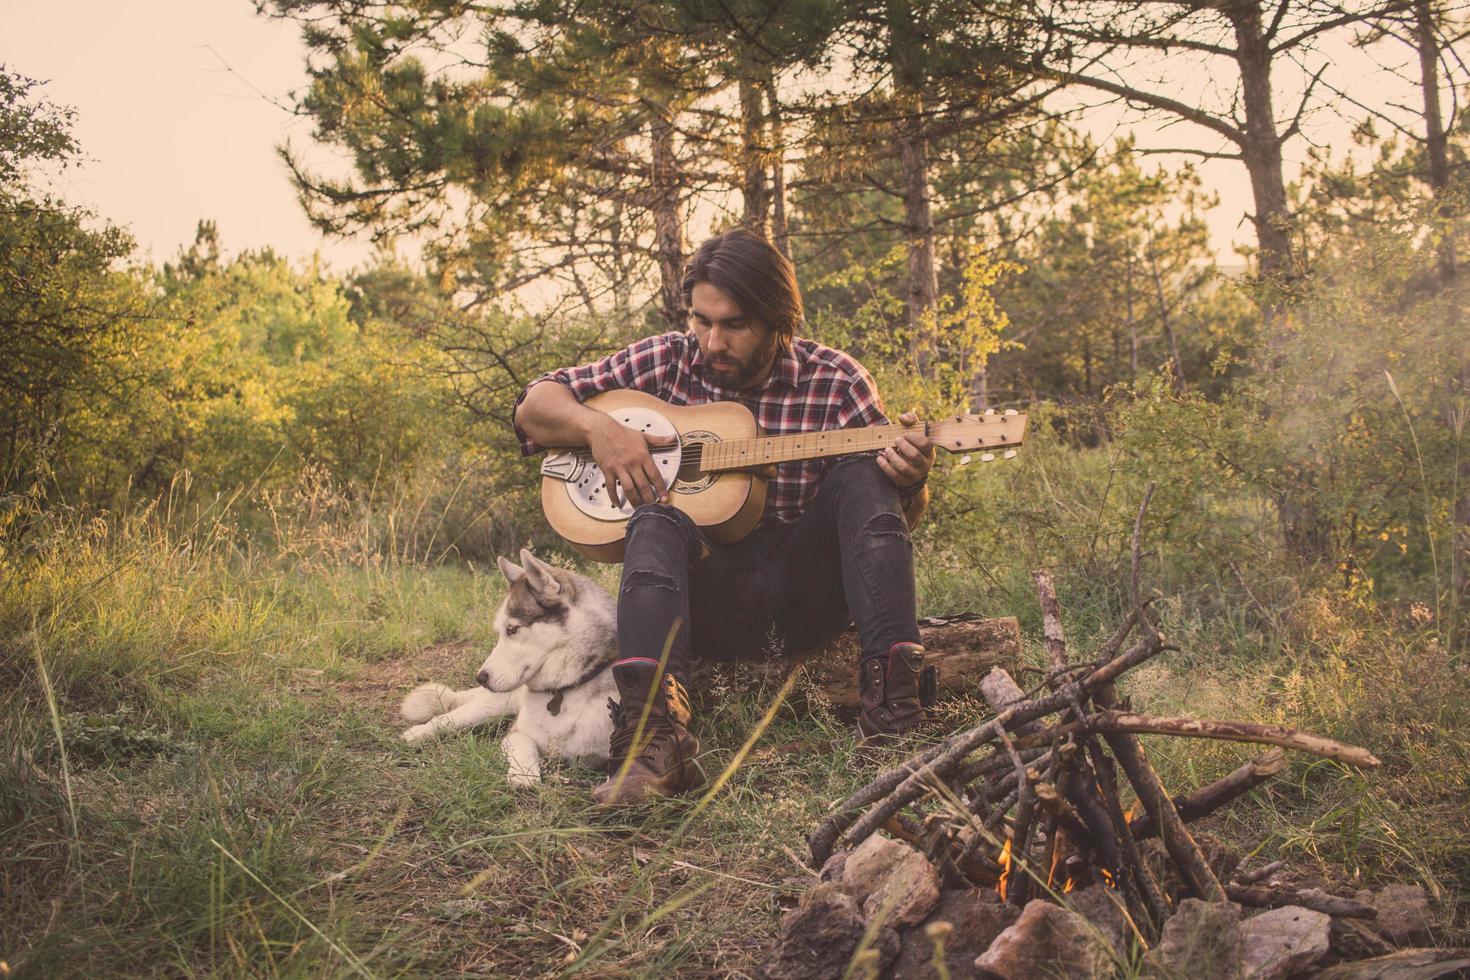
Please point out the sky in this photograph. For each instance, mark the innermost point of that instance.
(180, 108)
(178, 115)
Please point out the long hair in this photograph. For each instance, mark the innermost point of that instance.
(755, 275)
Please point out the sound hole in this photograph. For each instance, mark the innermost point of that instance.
(690, 478)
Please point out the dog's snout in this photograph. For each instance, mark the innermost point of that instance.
(483, 678)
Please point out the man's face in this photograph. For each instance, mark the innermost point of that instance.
(738, 352)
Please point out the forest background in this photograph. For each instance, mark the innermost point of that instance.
(221, 472)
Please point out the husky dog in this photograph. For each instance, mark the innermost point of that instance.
(551, 668)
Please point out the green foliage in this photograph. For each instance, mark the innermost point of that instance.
(70, 320)
(32, 130)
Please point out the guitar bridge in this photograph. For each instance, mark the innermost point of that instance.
(564, 464)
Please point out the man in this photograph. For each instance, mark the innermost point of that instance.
(832, 546)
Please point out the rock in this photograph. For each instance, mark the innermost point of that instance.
(1201, 941)
(1404, 916)
(834, 866)
(1282, 941)
(818, 937)
(1096, 904)
(975, 916)
(1408, 964)
(891, 879)
(1048, 941)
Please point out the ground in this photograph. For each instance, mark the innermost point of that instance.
(240, 803)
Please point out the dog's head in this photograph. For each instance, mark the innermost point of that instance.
(530, 624)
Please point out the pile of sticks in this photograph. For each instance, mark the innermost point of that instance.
(1030, 803)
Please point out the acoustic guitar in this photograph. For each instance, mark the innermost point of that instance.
(717, 470)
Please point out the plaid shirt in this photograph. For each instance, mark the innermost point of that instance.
(811, 388)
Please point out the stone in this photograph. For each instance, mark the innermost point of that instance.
(891, 880)
(818, 937)
(1201, 941)
(1283, 941)
(975, 916)
(1099, 905)
(1404, 915)
(833, 867)
(1048, 941)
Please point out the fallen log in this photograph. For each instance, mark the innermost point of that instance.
(962, 649)
(1265, 897)
(1121, 722)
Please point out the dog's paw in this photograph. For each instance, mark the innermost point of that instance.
(417, 733)
(521, 779)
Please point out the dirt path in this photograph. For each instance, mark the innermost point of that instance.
(381, 686)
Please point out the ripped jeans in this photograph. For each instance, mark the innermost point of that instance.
(782, 589)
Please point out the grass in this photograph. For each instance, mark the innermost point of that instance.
(217, 788)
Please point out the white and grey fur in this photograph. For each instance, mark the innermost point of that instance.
(555, 627)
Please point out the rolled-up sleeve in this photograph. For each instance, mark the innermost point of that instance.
(640, 366)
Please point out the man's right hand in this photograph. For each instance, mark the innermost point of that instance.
(623, 456)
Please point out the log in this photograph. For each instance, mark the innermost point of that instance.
(898, 787)
(961, 648)
(1264, 897)
(1177, 840)
(1406, 964)
(1207, 799)
(1120, 722)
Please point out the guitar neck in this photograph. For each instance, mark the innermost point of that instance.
(739, 454)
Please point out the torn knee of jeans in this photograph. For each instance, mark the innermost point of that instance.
(886, 525)
(662, 512)
(647, 577)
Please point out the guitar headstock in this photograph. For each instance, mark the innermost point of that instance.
(979, 433)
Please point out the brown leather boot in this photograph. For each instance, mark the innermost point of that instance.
(889, 689)
(663, 752)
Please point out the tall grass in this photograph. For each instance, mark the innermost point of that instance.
(238, 802)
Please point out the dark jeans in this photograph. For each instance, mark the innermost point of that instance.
(784, 588)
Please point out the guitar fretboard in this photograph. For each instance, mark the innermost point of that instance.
(736, 454)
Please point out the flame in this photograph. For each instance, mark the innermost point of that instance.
(1005, 864)
(1051, 873)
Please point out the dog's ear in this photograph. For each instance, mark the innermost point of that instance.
(540, 575)
(513, 573)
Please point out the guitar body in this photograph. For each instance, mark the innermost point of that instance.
(727, 505)
(717, 472)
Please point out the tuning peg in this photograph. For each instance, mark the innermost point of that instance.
(1012, 411)
(965, 459)
(987, 457)
(990, 411)
(1010, 454)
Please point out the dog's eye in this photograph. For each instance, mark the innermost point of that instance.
(512, 630)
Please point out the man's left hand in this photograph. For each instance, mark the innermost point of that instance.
(911, 456)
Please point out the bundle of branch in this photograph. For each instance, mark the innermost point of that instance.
(1029, 800)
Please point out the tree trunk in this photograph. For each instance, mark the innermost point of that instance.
(780, 234)
(1436, 144)
(1436, 148)
(907, 59)
(668, 222)
(923, 285)
(1261, 151)
(754, 187)
(1177, 374)
(1132, 318)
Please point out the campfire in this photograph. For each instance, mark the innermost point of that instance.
(1029, 807)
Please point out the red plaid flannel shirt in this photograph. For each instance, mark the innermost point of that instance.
(811, 388)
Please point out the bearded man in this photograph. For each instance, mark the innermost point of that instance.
(832, 546)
